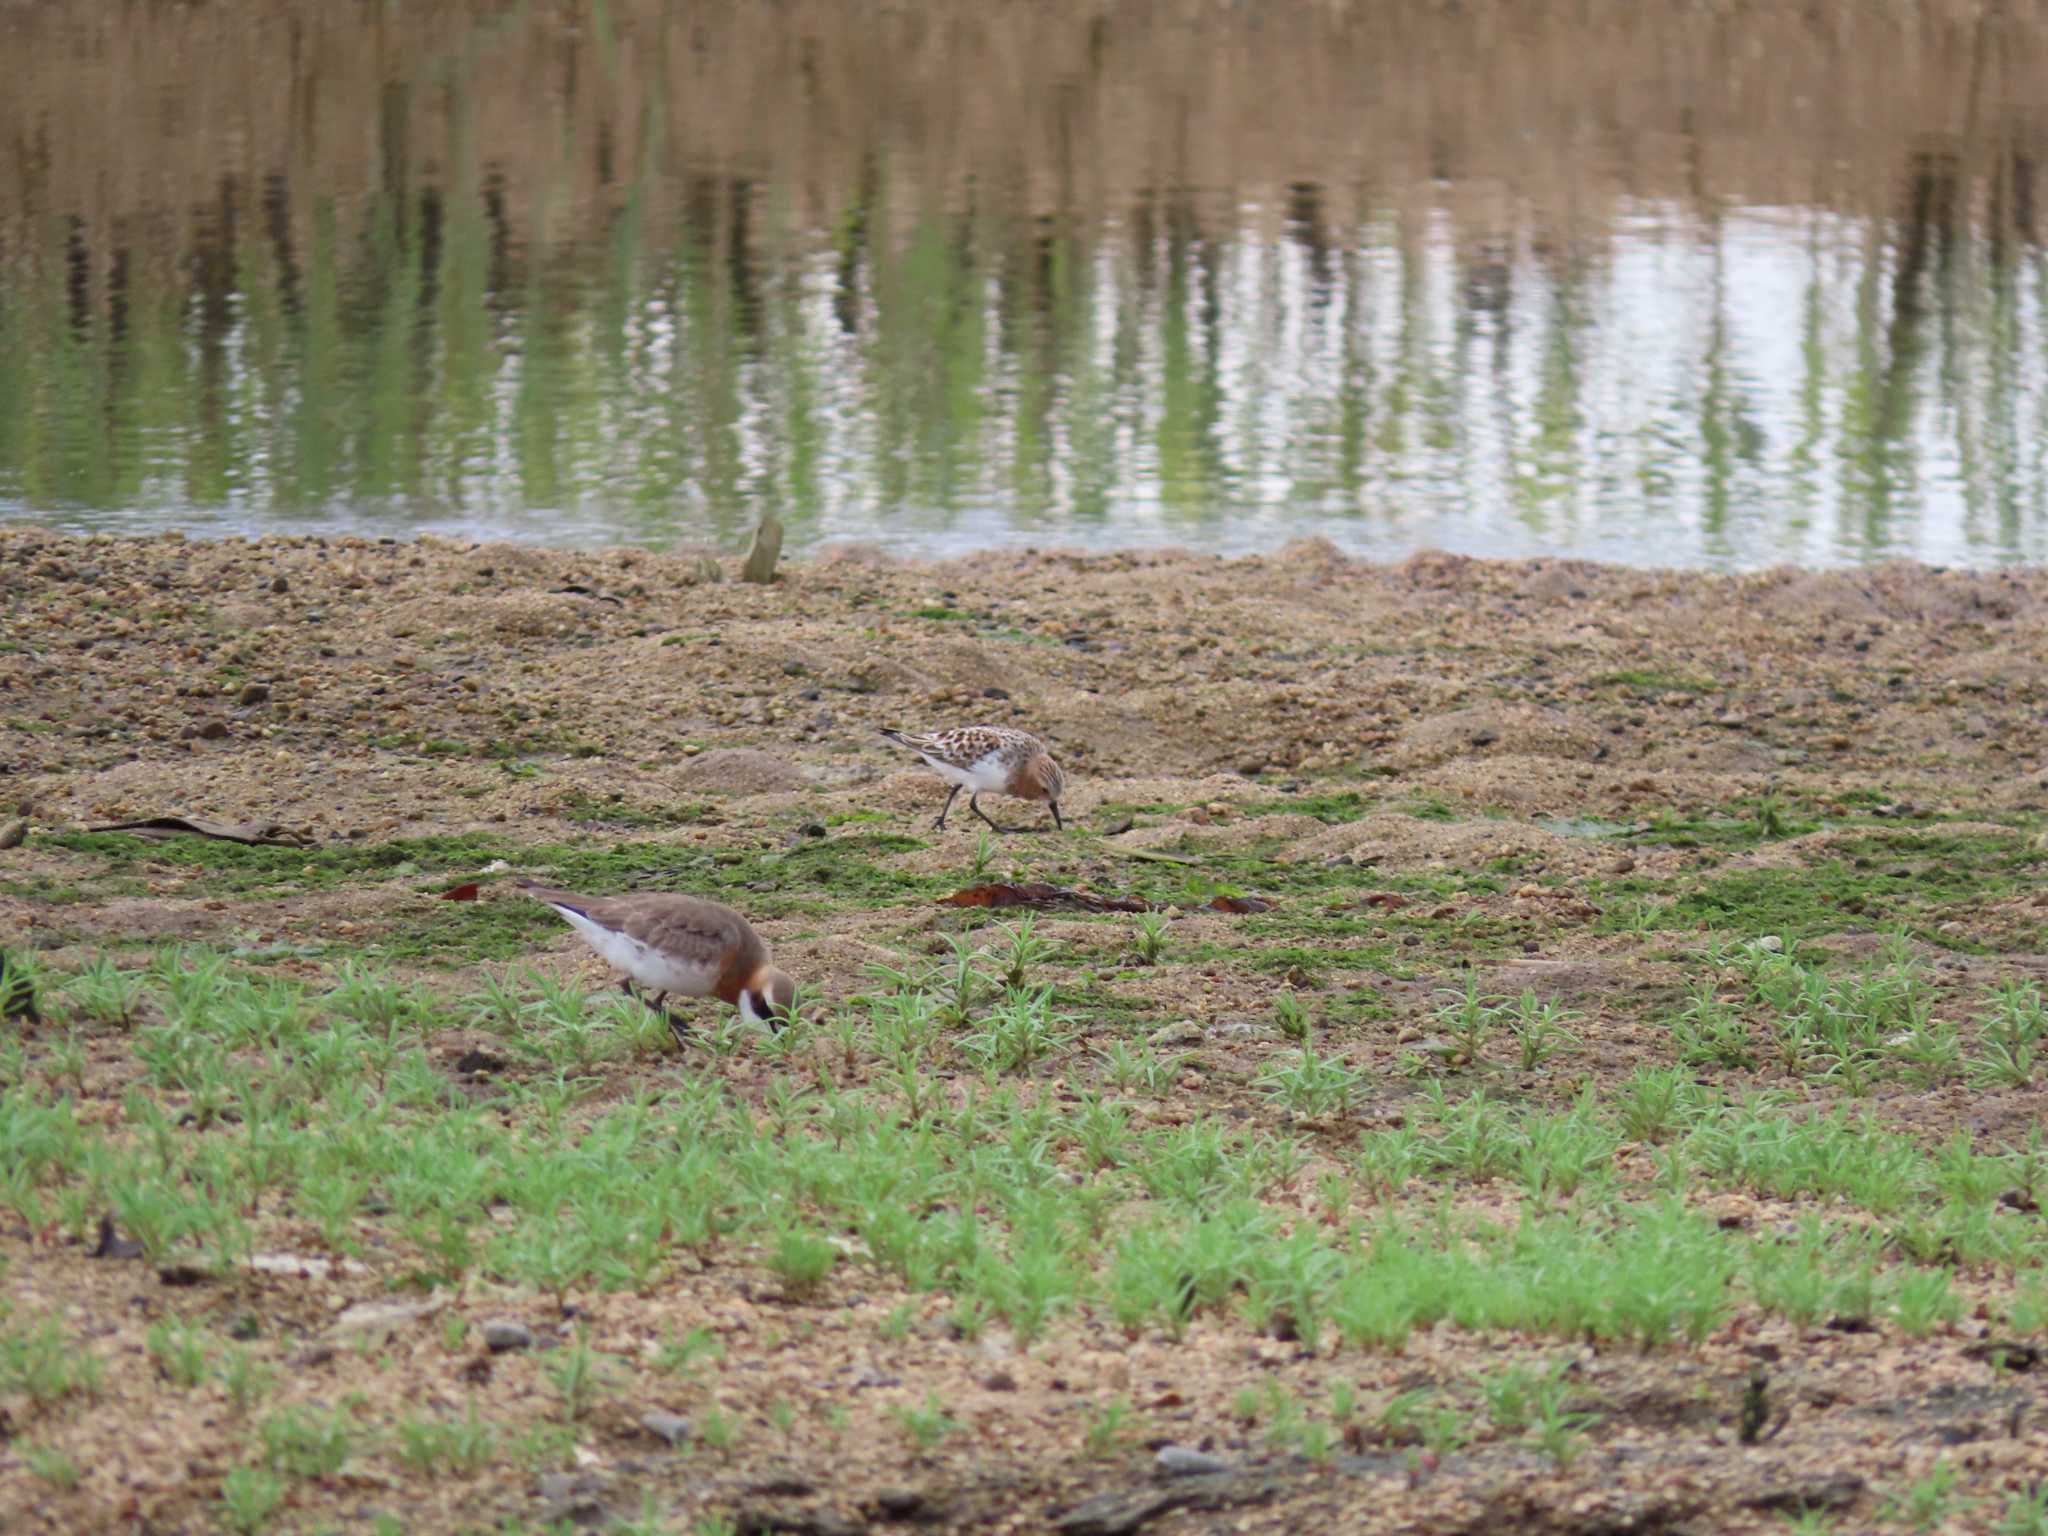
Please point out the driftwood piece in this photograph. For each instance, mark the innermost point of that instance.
(251, 832)
(1037, 893)
(765, 551)
(1125, 1511)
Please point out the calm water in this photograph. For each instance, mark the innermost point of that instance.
(1676, 284)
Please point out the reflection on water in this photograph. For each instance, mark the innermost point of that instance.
(1647, 281)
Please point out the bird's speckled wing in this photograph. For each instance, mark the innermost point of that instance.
(968, 744)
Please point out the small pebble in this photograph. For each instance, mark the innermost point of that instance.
(503, 1334)
(254, 693)
(12, 834)
(665, 1426)
(571, 1497)
(1180, 1461)
(996, 1344)
(1182, 1032)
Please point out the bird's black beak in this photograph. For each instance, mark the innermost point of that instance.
(1058, 825)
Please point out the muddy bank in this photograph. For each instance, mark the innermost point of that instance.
(1621, 796)
(372, 690)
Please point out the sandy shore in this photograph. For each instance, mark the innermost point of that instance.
(1543, 777)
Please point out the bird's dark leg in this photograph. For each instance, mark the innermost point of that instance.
(633, 992)
(677, 1025)
(946, 809)
(973, 804)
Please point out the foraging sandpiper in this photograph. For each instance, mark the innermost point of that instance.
(681, 944)
(989, 759)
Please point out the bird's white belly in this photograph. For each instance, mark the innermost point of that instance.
(650, 967)
(987, 772)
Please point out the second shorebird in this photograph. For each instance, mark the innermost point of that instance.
(682, 944)
(989, 760)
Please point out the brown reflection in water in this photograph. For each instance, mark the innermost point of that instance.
(277, 227)
(1927, 228)
(315, 159)
(1066, 109)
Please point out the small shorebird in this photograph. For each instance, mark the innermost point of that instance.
(989, 759)
(682, 944)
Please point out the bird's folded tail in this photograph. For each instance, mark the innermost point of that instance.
(896, 736)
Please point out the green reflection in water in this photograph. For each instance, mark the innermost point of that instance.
(623, 334)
